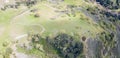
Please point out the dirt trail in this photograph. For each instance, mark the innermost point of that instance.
(16, 53)
(19, 15)
(21, 36)
(19, 54)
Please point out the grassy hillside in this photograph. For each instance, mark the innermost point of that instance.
(64, 29)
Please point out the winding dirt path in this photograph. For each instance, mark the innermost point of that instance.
(16, 53)
(19, 15)
(21, 36)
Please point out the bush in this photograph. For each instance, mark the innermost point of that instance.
(3, 9)
(36, 38)
(36, 15)
(63, 44)
(9, 50)
(5, 44)
(108, 39)
(83, 38)
(66, 46)
(111, 4)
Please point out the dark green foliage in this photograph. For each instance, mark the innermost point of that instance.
(106, 14)
(30, 3)
(66, 46)
(111, 4)
(43, 41)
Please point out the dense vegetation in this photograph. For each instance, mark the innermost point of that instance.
(64, 44)
(111, 4)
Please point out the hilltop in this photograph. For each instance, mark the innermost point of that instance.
(60, 29)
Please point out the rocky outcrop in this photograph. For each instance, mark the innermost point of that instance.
(94, 48)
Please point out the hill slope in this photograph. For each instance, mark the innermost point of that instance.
(60, 29)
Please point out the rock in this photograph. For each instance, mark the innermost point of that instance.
(94, 48)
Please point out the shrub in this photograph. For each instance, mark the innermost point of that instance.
(36, 38)
(9, 50)
(83, 38)
(36, 15)
(111, 4)
(3, 9)
(66, 46)
(5, 44)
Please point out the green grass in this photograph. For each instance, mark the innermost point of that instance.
(4, 37)
(5, 19)
(32, 52)
(42, 54)
(7, 15)
(80, 24)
